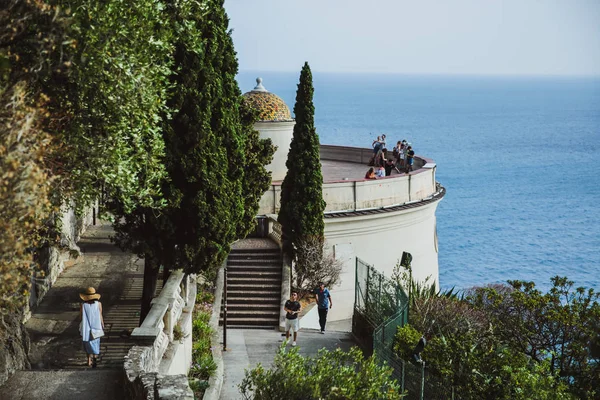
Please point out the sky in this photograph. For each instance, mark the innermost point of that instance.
(489, 37)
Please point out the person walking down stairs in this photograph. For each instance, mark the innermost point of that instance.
(92, 324)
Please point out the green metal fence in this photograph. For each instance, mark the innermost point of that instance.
(380, 307)
(376, 296)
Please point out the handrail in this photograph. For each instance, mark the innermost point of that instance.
(165, 310)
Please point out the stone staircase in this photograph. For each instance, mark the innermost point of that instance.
(253, 285)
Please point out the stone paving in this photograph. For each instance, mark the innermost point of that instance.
(341, 171)
(54, 325)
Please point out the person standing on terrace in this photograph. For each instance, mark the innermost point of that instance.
(410, 159)
(376, 145)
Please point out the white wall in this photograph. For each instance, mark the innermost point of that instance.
(379, 239)
(280, 134)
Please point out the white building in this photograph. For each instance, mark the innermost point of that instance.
(374, 220)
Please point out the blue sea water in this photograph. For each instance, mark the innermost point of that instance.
(519, 156)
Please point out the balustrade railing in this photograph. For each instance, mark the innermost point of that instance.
(156, 333)
(275, 232)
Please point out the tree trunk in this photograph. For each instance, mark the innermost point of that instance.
(166, 274)
(150, 277)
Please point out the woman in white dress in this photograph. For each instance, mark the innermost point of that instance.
(92, 324)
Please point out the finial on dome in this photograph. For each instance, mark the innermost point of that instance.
(259, 86)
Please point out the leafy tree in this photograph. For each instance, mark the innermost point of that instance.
(330, 375)
(31, 34)
(212, 190)
(558, 326)
(507, 342)
(107, 114)
(302, 204)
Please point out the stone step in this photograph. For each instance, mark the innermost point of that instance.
(251, 321)
(251, 298)
(254, 293)
(253, 261)
(253, 306)
(253, 268)
(252, 279)
(250, 256)
(259, 250)
(251, 314)
(256, 327)
(254, 272)
(251, 287)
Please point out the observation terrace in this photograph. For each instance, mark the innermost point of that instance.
(347, 193)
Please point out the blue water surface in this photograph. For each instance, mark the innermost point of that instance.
(519, 156)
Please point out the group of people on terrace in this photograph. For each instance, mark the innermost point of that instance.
(382, 163)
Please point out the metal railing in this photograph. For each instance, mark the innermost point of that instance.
(380, 307)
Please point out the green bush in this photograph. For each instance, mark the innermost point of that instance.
(334, 375)
(405, 341)
(205, 297)
(203, 365)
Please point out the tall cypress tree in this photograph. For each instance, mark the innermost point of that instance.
(302, 204)
(212, 189)
(205, 145)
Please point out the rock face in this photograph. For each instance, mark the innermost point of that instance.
(14, 346)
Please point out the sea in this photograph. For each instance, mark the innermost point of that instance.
(518, 155)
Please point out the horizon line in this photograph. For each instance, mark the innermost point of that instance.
(458, 74)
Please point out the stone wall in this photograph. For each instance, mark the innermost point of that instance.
(56, 259)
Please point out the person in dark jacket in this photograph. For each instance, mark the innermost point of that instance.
(324, 303)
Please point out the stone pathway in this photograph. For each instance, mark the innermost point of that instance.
(54, 325)
(64, 385)
(248, 347)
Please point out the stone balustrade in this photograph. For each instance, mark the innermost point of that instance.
(275, 232)
(357, 194)
(157, 367)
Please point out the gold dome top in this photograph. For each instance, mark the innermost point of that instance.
(270, 107)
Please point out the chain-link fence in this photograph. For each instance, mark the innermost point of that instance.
(377, 297)
(380, 307)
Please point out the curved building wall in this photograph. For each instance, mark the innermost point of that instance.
(280, 134)
(379, 239)
(374, 220)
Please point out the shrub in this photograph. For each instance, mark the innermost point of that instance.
(313, 267)
(330, 375)
(203, 365)
(405, 341)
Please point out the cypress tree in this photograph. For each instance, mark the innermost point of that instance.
(212, 191)
(302, 204)
(205, 145)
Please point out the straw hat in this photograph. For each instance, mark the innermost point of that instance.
(89, 294)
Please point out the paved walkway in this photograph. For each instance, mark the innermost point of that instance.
(54, 326)
(248, 347)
